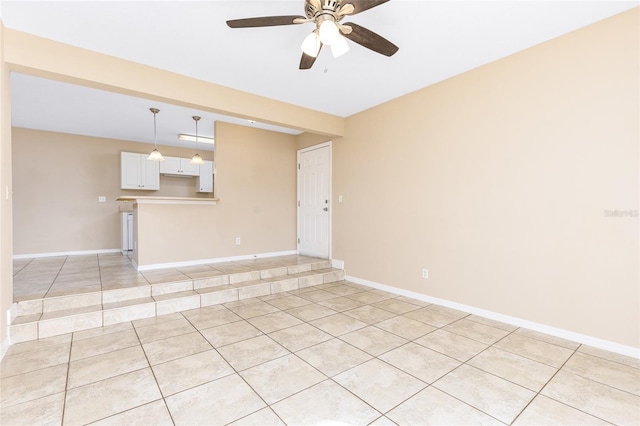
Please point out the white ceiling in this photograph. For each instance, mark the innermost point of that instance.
(437, 40)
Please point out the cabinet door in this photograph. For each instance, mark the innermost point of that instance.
(150, 173)
(170, 165)
(205, 180)
(129, 170)
(188, 169)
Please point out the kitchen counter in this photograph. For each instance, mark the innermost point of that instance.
(165, 228)
(167, 200)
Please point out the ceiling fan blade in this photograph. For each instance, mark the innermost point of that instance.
(307, 61)
(362, 5)
(264, 21)
(370, 40)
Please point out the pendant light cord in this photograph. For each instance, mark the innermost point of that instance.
(155, 133)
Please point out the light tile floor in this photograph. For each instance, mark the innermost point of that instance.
(345, 352)
(336, 353)
(64, 275)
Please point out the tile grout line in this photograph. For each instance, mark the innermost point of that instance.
(152, 372)
(545, 385)
(52, 283)
(297, 356)
(66, 383)
(237, 372)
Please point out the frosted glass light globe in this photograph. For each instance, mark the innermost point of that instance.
(329, 32)
(311, 45)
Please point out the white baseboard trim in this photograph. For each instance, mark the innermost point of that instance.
(337, 263)
(65, 253)
(6, 342)
(13, 312)
(4, 348)
(519, 322)
(213, 260)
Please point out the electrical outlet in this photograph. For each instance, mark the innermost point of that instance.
(102, 199)
(237, 241)
(425, 273)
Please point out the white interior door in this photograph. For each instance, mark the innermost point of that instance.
(314, 209)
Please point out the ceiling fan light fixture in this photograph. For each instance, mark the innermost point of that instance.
(340, 47)
(329, 32)
(311, 44)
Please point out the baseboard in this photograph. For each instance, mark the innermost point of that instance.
(65, 253)
(518, 322)
(213, 260)
(4, 348)
(6, 342)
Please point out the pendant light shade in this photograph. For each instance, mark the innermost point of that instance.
(196, 159)
(155, 154)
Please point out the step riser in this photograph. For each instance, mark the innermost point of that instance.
(206, 295)
(52, 304)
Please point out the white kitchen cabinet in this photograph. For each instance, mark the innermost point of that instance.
(179, 166)
(205, 180)
(138, 173)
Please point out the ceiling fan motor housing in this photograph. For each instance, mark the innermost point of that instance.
(315, 8)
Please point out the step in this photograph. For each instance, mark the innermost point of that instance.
(40, 318)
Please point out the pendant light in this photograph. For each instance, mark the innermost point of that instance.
(155, 154)
(196, 158)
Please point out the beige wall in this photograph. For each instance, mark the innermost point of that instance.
(256, 185)
(57, 180)
(305, 140)
(497, 180)
(6, 267)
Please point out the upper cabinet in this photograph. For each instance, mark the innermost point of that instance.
(178, 166)
(139, 173)
(205, 179)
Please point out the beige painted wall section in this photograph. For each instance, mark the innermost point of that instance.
(256, 185)
(30, 54)
(305, 140)
(498, 181)
(57, 180)
(6, 249)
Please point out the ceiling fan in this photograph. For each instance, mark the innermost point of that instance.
(327, 14)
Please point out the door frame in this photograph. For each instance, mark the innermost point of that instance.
(328, 144)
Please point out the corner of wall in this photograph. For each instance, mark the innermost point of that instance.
(6, 199)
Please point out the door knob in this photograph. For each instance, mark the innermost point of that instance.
(326, 209)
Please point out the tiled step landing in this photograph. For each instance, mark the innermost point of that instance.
(40, 318)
